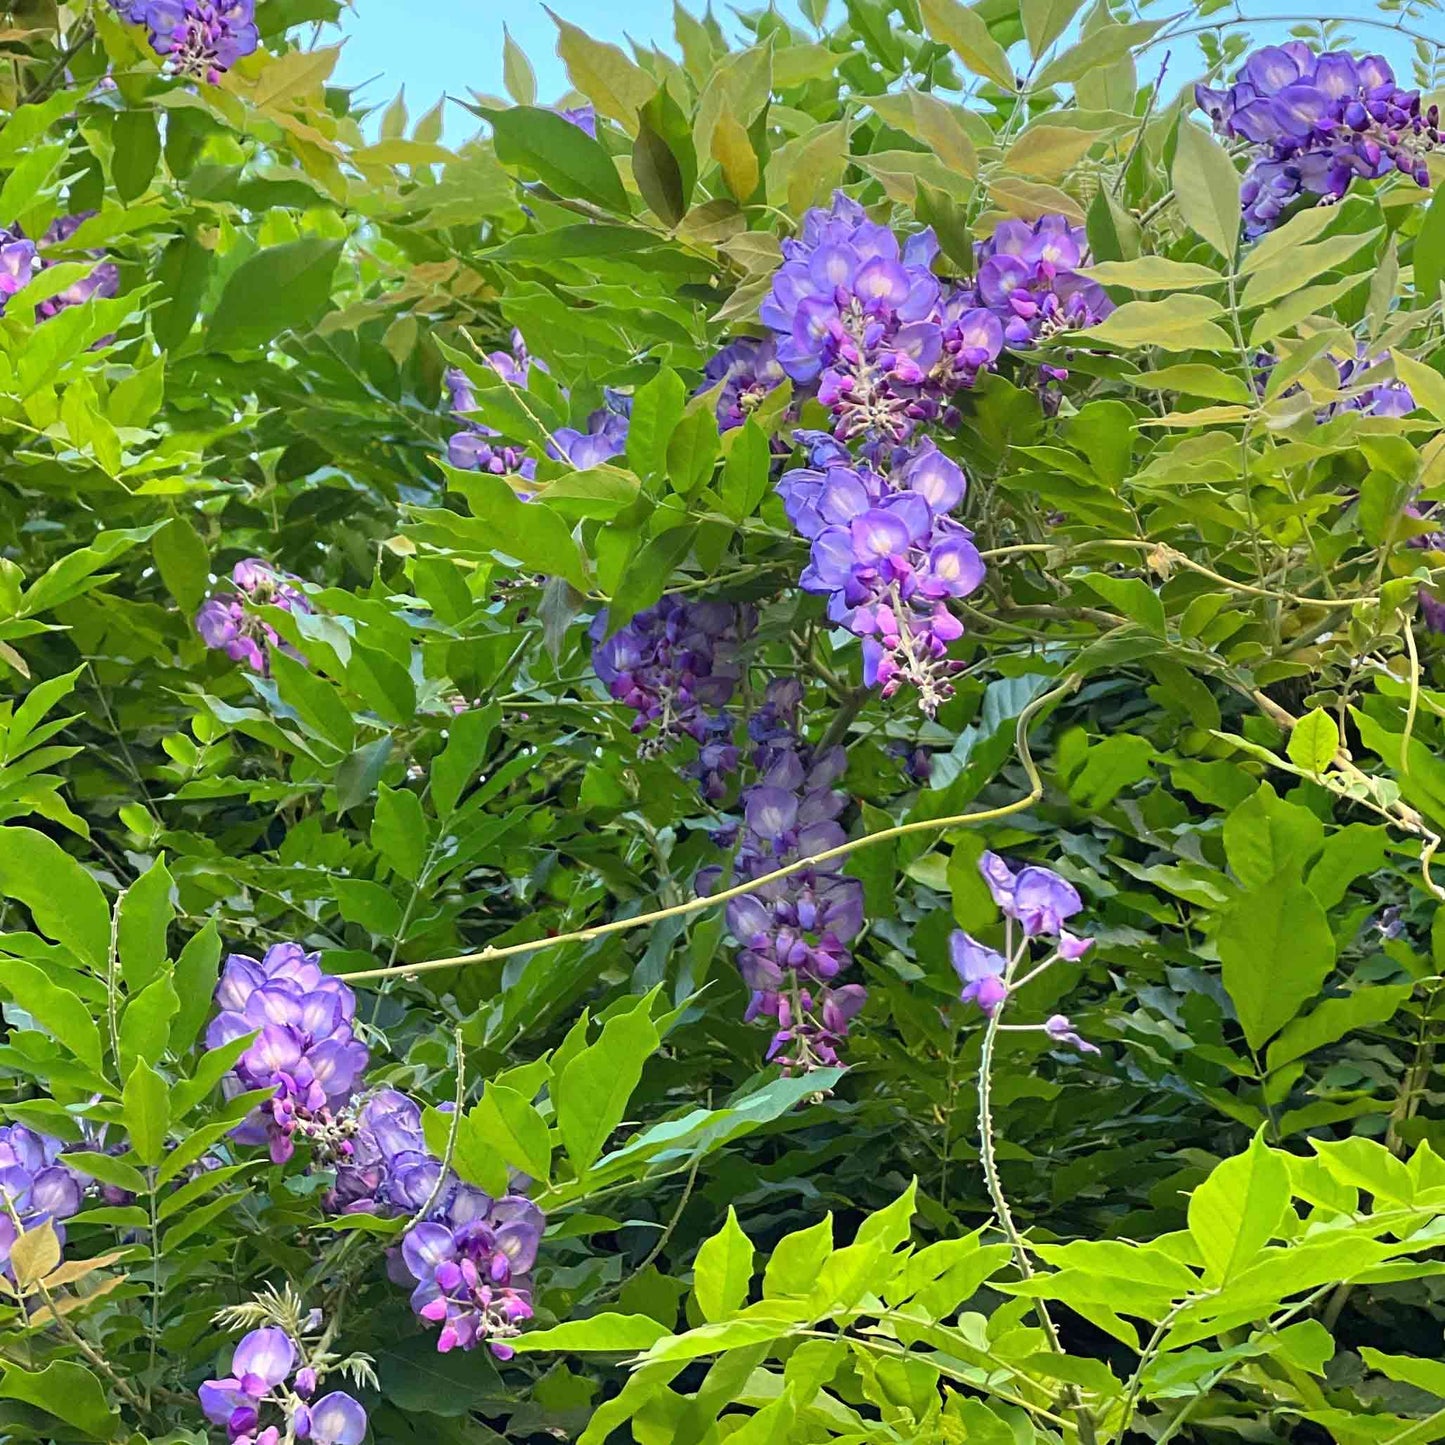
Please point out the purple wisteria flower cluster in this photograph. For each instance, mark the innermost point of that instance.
(474, 449)
(225, 622)
(861, 315)
(271, 1375)
(199, 38)
(1383, 396)
(1027, 277)
(675, 666)
(746, 370)
(471, 1263)
(1317, 121)
(35, 1186)
(305, 1050)
(1036, 903)
(794, 933)
(888, 556)
(21, 261)
(468, 1258)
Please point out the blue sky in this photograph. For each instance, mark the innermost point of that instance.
(436, 47)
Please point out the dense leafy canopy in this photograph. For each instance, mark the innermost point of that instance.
(757, 759)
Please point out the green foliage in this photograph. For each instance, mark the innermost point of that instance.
(1226, 1224)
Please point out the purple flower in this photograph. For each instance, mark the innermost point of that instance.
(473, 448)
(1062, 1031)
(888, 556)
(1035, 897)
(199, 38)
(1316, 122)
(605, 437)
(263, 1361)
(747, 370)
(304, 1048)
(335, 1419)
(472, 1270)
(21, 262)
(584, 117)
(36, 1186)
(980, 970)
(674, 666)
(793, 935)
(226, 623)
(389, 1170)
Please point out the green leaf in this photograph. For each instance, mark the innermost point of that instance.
(137, 141)
(145, 1026)
(1190, 379)
(593, 1090)
(399, 831)
(603, 73)
(146, 1106)
(648, 574)
(75, 573)
(1427, 1375)
(1046, 20)
(692, 449)
(796, 1260)
(606, 1333)
(66, 1390)
(64, 900)
(183, 562)
(1182, 322)
(1236, 1211)
(1266, 835)
(530, 532)
(281, 288)
(515, 1129)
(1096, 51)
(1430, 252)
(746, 471)
(184, 274)
(560, 154)
(656, 410)
(469, 735)
(316, 702)
(517, 73)
(108, 1169)
(1336, 1017)
(1134, 597)
(1277, 949)
(145, 913)
(723, 1270)
(1206, 188)
(472, 1155)
(1153, 273)
(195, 976)
(54, 1008)
(1314, 741)
(1426, 385)
(772, 1424)
(965, 32)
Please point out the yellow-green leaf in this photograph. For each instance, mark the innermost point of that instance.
(1182, 322)
(966, 33)
(617, 87)
(1206, 189)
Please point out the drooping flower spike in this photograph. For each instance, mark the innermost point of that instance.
(1316, 123)
(227, 624)
(1036, 902)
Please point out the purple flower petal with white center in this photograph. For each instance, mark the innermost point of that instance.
(337, 1419)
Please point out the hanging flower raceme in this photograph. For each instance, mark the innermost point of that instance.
(1316, 122)
(1376, 394)
(21, 260)
(1036, 903)
(473, 448)
(746, 370)
(35, 1186)
(226, 622)
(199, 38)
(305, 1049)
(861, 315)
(888, 557)
(471, 1262)
(674, 665)
(389, 1170)
(273, 1379)
(793, 934)
(1027, 277)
